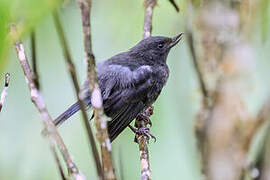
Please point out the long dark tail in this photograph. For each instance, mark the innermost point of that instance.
(65, 115)
(70, 111)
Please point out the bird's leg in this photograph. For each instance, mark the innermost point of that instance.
(142, 120)
(133, 129)
(142, 116)
(145, 116)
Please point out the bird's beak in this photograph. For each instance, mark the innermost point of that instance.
(176, 39)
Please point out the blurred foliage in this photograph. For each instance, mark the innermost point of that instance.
(4, 20)
(25, 13)
(264, 17)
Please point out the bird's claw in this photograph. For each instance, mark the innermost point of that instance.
(144, 117)
(146, 132)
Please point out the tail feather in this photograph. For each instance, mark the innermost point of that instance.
(70, 111)
(65, 115)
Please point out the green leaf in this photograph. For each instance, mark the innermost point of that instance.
(24, 13)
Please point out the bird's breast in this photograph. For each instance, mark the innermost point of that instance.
(160, 78)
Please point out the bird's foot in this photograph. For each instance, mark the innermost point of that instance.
(142, 131)
(146, 132)
(145, 116)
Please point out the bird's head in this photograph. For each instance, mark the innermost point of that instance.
(156, 48)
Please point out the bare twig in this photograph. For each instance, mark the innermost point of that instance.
(250, 130)
(262, 162)
(149, 6)
(34, 59)
(226, 123)
(96, 99)
(196, 65)
(174, 5)
(37, 99)
(253, 126)
(142, 139)
(59, 166)
(36, 81)
(73, 75)
(5, 90)
(201, 122)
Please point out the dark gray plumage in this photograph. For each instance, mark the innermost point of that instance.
(130, 82)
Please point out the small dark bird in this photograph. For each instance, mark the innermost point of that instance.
(130, 82)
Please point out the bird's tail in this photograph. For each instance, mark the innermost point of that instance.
(65, 115)
(70, 111)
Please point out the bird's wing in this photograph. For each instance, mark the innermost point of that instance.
(124, 94)
(122, 120)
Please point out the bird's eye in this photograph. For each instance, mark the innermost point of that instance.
(160, 45)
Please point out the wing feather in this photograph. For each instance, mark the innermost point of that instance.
(118, 124)
(124, 94)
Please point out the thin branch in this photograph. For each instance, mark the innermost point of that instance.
(262, 162)
(226, 123)
(149, 6)
(59, 166)
(100, 118)
(250, 131)
(143, 139)
(202, 120)
(195, 62)
(5, 90)
(34, 59)
(174, 5)
(37, 84)
(254, 126)
(37, 99)
(204, 117)
(73, 74)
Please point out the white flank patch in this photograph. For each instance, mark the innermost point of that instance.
(146, 67)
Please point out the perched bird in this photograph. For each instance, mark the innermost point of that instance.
(130, 82)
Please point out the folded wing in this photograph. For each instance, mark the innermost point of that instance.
(124, 94)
